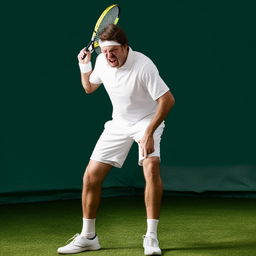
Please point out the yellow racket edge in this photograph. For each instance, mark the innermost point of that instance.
(104, 13)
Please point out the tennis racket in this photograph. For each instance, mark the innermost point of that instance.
(109, 16)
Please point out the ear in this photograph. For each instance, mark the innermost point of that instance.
(124, 46)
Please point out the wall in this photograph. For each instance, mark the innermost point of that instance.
(205, 52)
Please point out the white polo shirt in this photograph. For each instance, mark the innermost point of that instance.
(133, 88)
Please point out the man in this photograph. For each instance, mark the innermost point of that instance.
(141, 101)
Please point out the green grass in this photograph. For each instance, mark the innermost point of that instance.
(189, 226)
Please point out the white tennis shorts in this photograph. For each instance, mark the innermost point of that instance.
(115, 142)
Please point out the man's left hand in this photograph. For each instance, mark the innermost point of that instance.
(147, 145)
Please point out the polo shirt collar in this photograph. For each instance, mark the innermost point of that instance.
(129, 61)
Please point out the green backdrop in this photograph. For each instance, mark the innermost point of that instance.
(205, 52)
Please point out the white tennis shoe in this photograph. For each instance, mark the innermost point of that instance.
(151, 246)
(79, 244)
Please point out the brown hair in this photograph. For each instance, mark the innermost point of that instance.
(115, 33)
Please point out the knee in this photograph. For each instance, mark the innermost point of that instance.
(151, 169)
(90, 178)
(151, 163)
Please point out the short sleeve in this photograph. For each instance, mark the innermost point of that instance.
(95, 75)
(153, 82)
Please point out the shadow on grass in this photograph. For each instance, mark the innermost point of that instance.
(245, 244)
(121, 248)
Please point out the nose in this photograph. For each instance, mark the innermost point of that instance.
(111, 55)
(108, 54)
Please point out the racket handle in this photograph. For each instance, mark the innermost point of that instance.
(87, 49)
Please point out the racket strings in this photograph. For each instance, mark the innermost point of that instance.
(109, 18)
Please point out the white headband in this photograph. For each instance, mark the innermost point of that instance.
(107, 43)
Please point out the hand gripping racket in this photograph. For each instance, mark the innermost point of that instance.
(109, 16)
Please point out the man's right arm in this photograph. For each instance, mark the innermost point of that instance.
(88, 86)
(86, 70)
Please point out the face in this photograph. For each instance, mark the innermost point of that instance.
(115, 55)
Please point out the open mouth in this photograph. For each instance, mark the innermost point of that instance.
(113, 61)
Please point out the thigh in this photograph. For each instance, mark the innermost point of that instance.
(113, 146)
(157, 139)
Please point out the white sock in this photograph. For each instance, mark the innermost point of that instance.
(152, 227)
(88, 228)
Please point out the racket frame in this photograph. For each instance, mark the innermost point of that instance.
(93, 44)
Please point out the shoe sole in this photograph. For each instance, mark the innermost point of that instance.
(88, 248)
(152, 253)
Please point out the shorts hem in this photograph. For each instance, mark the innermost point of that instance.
(113, 163)
(140, 162)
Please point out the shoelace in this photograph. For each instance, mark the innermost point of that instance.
(150, 241)
(72, 238)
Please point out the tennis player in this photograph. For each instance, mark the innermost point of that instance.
(141, 101)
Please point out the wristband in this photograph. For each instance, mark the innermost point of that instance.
(85, 67)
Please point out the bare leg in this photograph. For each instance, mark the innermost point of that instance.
(154, 188)
(93, 178)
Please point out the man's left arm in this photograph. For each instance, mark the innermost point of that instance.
(165, 103)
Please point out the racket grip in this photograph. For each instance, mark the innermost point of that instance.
(84, 56)
(87, 49)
